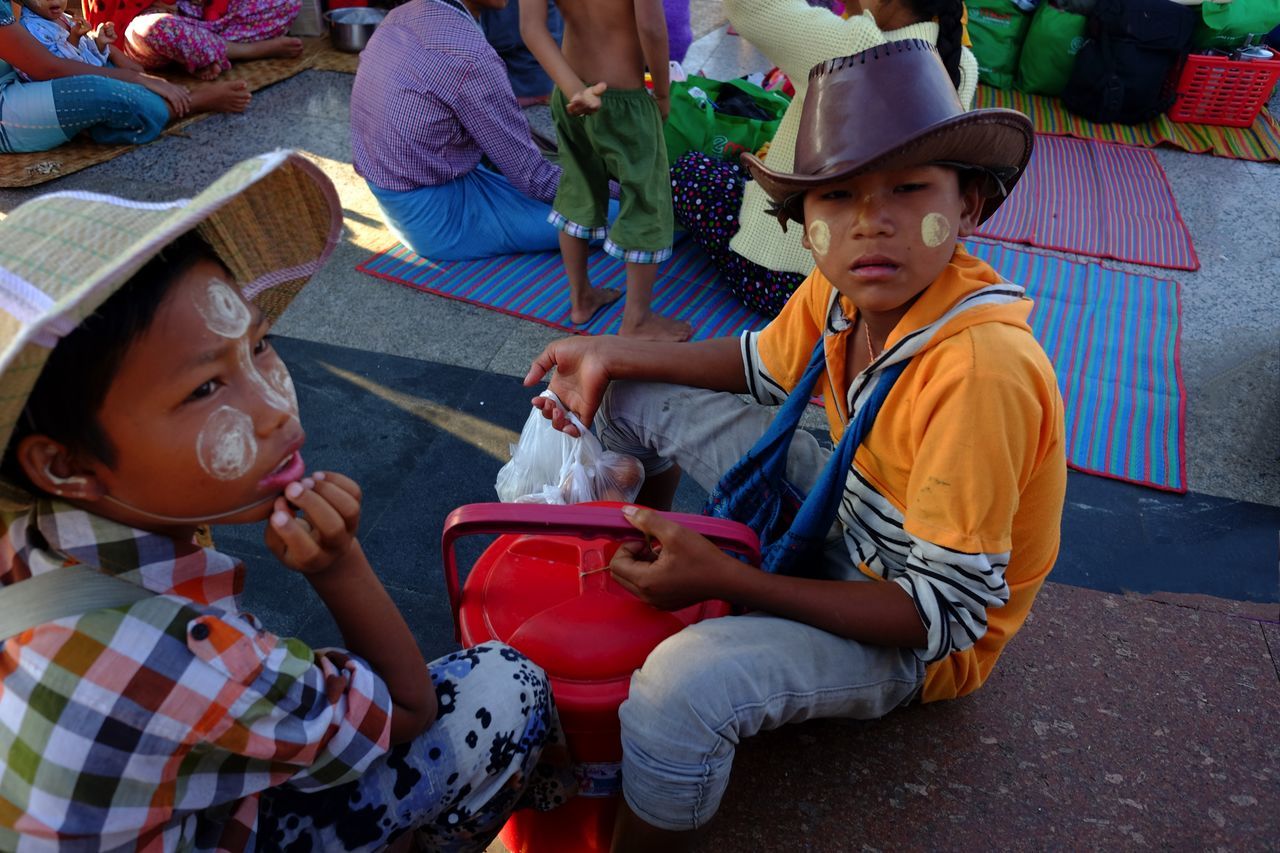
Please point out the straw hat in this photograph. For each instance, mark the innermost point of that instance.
(854, 121)
(273, 220)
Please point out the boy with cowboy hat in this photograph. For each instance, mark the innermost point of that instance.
(922, 538)
(140, 707)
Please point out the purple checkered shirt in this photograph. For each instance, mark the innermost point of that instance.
(431, 97)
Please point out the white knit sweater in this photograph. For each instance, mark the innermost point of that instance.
(796, 37)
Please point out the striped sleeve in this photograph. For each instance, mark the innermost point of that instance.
(760, 384)
(952, 592)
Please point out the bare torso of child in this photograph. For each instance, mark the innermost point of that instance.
(601, 43)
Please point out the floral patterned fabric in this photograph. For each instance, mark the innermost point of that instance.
(707, 193)
(156, 39)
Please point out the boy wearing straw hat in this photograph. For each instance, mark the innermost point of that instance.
(921, 539)
(140, 708)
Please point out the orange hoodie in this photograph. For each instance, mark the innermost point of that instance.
(966, 458)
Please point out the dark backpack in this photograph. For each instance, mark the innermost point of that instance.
(1123, 72)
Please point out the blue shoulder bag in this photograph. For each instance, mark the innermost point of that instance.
(792, 526)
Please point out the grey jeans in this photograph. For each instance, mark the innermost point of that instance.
(703, 690)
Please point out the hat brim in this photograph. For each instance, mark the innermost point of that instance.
(272, 220)
(994, 139)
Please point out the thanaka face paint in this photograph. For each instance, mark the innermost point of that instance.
(223, 310)
(276, 388)
(820, 236)
(226, 446)
(934, 229)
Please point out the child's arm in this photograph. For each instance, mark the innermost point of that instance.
(77, 28)
(24, 52)
(584, 367)
(583, 99)
(120, 59)
(323, 547)
(651, 26)
(689, 569)
(104, 35)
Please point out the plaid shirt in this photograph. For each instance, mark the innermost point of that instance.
(154, 726)
(431, 97)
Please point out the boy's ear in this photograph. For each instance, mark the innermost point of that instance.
(53, 469)
(972, 198)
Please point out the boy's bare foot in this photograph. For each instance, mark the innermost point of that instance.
(595, 299)
(281, 47)
(228, 96)
(655, 327)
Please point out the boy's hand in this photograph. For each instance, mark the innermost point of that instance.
(177, 97)
(681, 568)
(664, 103)
(79, 26)
(581, 377)
(105, 35)
(331, 504)
(587, 101)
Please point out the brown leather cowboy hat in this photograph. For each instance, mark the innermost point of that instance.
(889, 107)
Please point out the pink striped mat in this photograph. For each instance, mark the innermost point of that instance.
(1098, 199)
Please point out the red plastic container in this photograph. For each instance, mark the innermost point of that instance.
(541, 588)
(1223, 91)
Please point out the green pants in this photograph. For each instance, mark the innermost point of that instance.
(623, 142)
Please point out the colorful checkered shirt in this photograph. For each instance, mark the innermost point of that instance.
(431, 97)
(154, 726)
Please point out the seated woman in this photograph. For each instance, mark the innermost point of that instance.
(64, 97)
(202, 36)
(715, 201)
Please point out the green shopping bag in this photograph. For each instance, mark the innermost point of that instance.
(996, 28)
(693, 124)
(1049, 50)
(1226, 25)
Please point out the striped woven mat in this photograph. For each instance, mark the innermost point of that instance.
(533, 287)
(1112, 336)
(1108, 201)
(1259, 142)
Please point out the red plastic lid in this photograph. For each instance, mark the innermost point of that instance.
(546, 596)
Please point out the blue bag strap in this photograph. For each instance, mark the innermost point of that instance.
(818, 512)
(770, 451)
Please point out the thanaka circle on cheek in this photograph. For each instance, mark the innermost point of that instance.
(275, 389)
(226, 446)
(819, 236)
(223, 310)
(934, 230)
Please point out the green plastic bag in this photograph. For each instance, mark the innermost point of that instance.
(1049, 50)
(693, 124)
(996, 28)
(1226, 25)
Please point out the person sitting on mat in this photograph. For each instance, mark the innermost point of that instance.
(202, 36)
(47, 99)
(610, 128)
(924, 536)
(437, 135)
(71, 37)
(144, 709)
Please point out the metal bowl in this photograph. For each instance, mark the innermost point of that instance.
(351, 27)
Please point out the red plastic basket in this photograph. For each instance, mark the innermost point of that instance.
(1224, 91)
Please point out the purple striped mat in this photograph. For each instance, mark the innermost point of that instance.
(1112, 336)
(1095, 198)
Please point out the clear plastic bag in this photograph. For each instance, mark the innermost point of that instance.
(549, 467)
